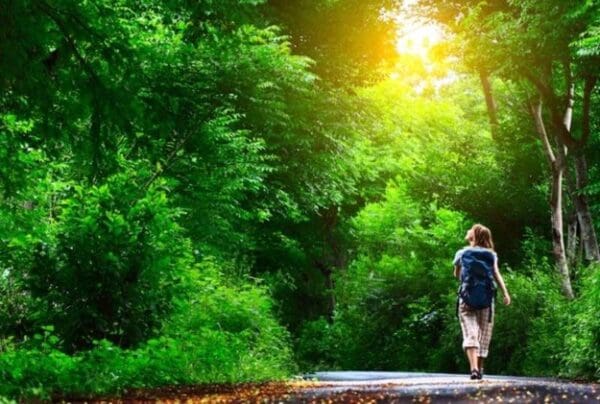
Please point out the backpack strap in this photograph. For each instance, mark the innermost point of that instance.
(458, 299)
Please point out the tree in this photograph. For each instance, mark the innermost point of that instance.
(530, 43)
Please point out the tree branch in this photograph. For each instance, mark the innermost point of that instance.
(50, 12)
(545, 91)
(569, 96)
(168, 161)
(490, 102)
(536, 113)
(558, 119)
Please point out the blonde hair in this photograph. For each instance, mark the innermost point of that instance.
(481, 236)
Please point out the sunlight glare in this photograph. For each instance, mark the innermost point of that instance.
(415, 37)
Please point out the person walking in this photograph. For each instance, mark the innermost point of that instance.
(477, 268)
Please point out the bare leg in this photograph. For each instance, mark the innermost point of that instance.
(472, 355)
(480, 364)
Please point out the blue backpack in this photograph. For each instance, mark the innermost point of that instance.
(477, 279)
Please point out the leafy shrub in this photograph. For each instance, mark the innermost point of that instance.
(544, 355)
(522, 341)
(15, 307)
(220, 333)
(115, 262)
(317, 344)
(396, 293)
(581, 352)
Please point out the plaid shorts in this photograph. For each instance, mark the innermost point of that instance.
(476, 328)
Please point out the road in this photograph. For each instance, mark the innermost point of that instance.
(380, 387)
(444, 388)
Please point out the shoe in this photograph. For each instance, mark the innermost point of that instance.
(475, 375)
(480, 373)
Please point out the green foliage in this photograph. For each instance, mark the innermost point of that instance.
(545, 352)
(17, 158)
(223, 333)
(563, 337)
(581, 352)
(115, 262)
(514, 343)
(395, 294)
(398, 295)
(439, 143)
(318, 344)
(349, 39)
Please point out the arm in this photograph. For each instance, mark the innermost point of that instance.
(500, 281)
(457, 271)
(456, 263)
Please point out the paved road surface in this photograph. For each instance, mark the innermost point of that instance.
(443, 388)
(380, 387)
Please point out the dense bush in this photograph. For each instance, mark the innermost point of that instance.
(520, 341)
(396, 294)
(220, 333)
(112, 265)
(580, 353)
(110, 296)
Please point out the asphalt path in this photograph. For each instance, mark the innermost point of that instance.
(373, 387)
(448, 388)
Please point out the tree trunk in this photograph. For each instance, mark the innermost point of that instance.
(588, 233)
(576, 184)
(572, 239)
(558, 244)
(331, 291)
(557, 166)
(490, 102)
(333, 256)
(327, 273)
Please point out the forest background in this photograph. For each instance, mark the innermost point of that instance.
(223, 191)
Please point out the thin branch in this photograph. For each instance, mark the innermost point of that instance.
(168, 162)
(569, 96)
(50, 12)
(536, 113)
(545, 91)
